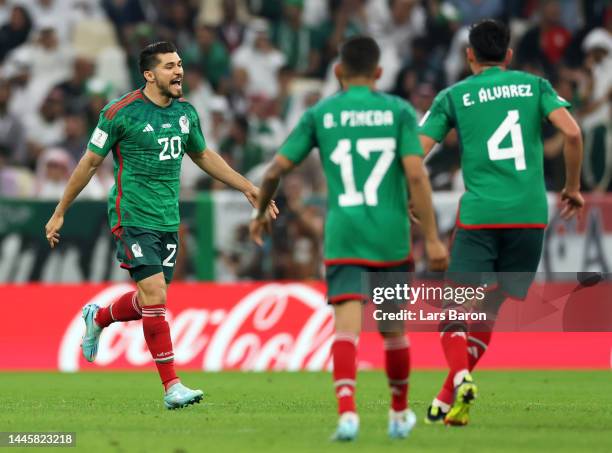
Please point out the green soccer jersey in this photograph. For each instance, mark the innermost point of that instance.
(148, 144)
(362, 136)
(498, 116)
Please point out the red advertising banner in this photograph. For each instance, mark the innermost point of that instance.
(253, 326)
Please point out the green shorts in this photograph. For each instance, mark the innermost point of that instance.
(345, 281)
(145, 252)
(504, 258)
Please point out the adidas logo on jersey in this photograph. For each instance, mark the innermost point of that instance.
(148, 128)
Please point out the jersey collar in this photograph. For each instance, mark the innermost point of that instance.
(149, 101)
(492, 70)
(359, 89)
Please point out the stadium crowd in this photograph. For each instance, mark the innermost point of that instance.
(253, 66)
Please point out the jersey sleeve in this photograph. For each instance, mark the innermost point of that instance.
(106, 134)
(549, 99)
(437, 122)
(301, 140)
(196, 143)
(409, 144)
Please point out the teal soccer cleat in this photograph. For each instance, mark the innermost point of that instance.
(91, 338)
(348, 427)
(401, 423)
(179, 396)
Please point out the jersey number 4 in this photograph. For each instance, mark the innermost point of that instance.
(516, 150)
(365, 147)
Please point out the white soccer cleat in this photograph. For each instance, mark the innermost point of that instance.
(348, 427)
(401, 423)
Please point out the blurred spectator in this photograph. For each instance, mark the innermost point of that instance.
(198, 92)
(270, 9)
(471, 11)
(51, 61)
(75, 89)
(395, 23)
(98, 96)
(46, 127)
(75, 135)
(136, 38)
(53, 170)
(346, 18)
(284, 99)
(16, 31)
(231, 30)
(24, 95)
(52, 173)
(124, 13)
(455, 65)
(14, 181)
(12, 135)
(177, 18)
(237, 91)
(5, 11)
(546, 41)
(296, 238)
(257, 47)
(209, 53)
(597, 113)
(242, 153)
(220, 116)
(422, 97)
(51, 14)
(266, 129)
(296, 41)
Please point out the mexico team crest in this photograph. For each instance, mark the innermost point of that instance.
(184, 123)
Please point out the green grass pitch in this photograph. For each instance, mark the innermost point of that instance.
(287, 412)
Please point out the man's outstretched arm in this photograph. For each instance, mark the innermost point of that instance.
(80, 177)
(279, 166)
(572, 154)
(215, 166)
(420, 197)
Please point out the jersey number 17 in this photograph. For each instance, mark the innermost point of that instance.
(365, 147)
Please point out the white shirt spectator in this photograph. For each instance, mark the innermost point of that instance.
(388, 32)
(260, 60)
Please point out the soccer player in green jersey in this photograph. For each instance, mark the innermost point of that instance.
(369, 148)
(498, 116)
(148, 130)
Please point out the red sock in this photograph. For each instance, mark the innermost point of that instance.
(477, 345)
(454, 344)
(447, 393)
(157, 335)
(397, 366)
(344, 356)
(125, 308)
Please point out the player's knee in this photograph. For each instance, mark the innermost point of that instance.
(153, 294)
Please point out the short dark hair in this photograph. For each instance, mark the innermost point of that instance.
(360, 55)
(148, 56)
(489, 39)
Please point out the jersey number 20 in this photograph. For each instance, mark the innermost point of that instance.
(365, 147)
(516, 151)
(175, 148)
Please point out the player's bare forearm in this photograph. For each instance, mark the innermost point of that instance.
(277, 168)
(218, 168)
(420, 195)
(427, 143)
(80, 177)
(572, 151)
